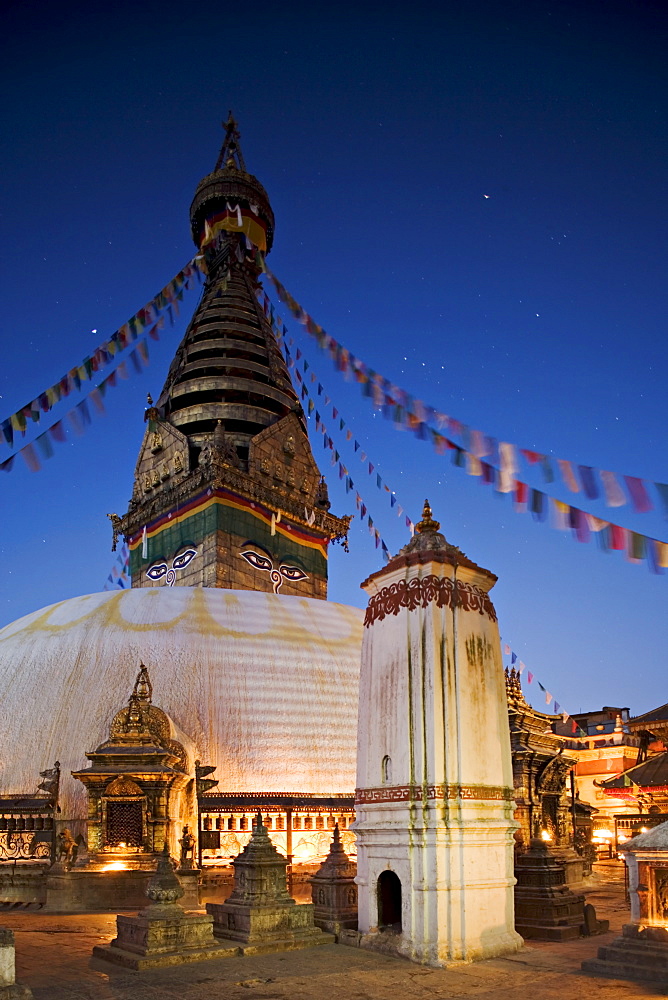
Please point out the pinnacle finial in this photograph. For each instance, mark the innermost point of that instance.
(149, 399)
(427, 523)
(230, 154)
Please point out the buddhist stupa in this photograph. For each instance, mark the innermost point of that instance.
(228, 530)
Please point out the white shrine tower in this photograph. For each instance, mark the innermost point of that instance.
(434, 800)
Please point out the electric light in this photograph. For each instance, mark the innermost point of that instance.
(644, 829)
(115, 866)
(545, 835)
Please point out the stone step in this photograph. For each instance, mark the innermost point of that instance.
(625, 951)
(621, 970)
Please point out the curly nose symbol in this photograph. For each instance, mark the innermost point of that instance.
(171, 577)
(276, 579)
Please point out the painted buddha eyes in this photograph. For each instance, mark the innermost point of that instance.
(260, 560)
(180, 561)
(292, 572)
(157, 571)
(183, 558)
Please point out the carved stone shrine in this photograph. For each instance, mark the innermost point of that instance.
(136, 785)
(641, 951)
(260, 914)
(333, 890)
(541, 769)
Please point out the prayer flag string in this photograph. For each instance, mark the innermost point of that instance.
(150, 318)
(321, 427)
(79, 417)
(515, 667)
(120, 571)
(412, 413)
(403, 410)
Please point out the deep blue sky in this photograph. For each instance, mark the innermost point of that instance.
(536, 314)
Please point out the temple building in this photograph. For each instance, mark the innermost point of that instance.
(541, 771)
(642, 787)
(228, 530)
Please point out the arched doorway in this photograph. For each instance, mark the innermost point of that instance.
(389, 902)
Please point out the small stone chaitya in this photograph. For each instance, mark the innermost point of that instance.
(162, 933)
(333, 890)
(260, 914)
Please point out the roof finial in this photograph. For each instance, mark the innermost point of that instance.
(427, 523)
(230, 152)
(143, 689)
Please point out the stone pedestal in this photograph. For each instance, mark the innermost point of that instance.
(9, 989)
(434, 802)
(641, 951)
(545, 907)
(334, 892)
(260, 915)
(163, 933)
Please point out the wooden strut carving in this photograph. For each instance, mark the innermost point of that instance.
(421, 591)
(420, 793)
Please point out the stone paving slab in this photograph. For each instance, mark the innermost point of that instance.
(54, 958)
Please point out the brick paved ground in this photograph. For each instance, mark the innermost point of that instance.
(54, 958)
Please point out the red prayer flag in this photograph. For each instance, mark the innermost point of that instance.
(531, 456)
(617, 536)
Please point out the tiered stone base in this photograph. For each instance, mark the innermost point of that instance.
(640, 953)
(260, 929)
(149, 942)
(546, 908)
(548, 914)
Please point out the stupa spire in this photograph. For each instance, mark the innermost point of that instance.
(227, 492)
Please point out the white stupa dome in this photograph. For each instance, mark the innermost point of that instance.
(264, 686)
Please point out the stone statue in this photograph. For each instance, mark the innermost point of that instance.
(187, 843)
(67, 848)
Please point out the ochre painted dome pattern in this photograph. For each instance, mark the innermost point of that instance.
(264, 686)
